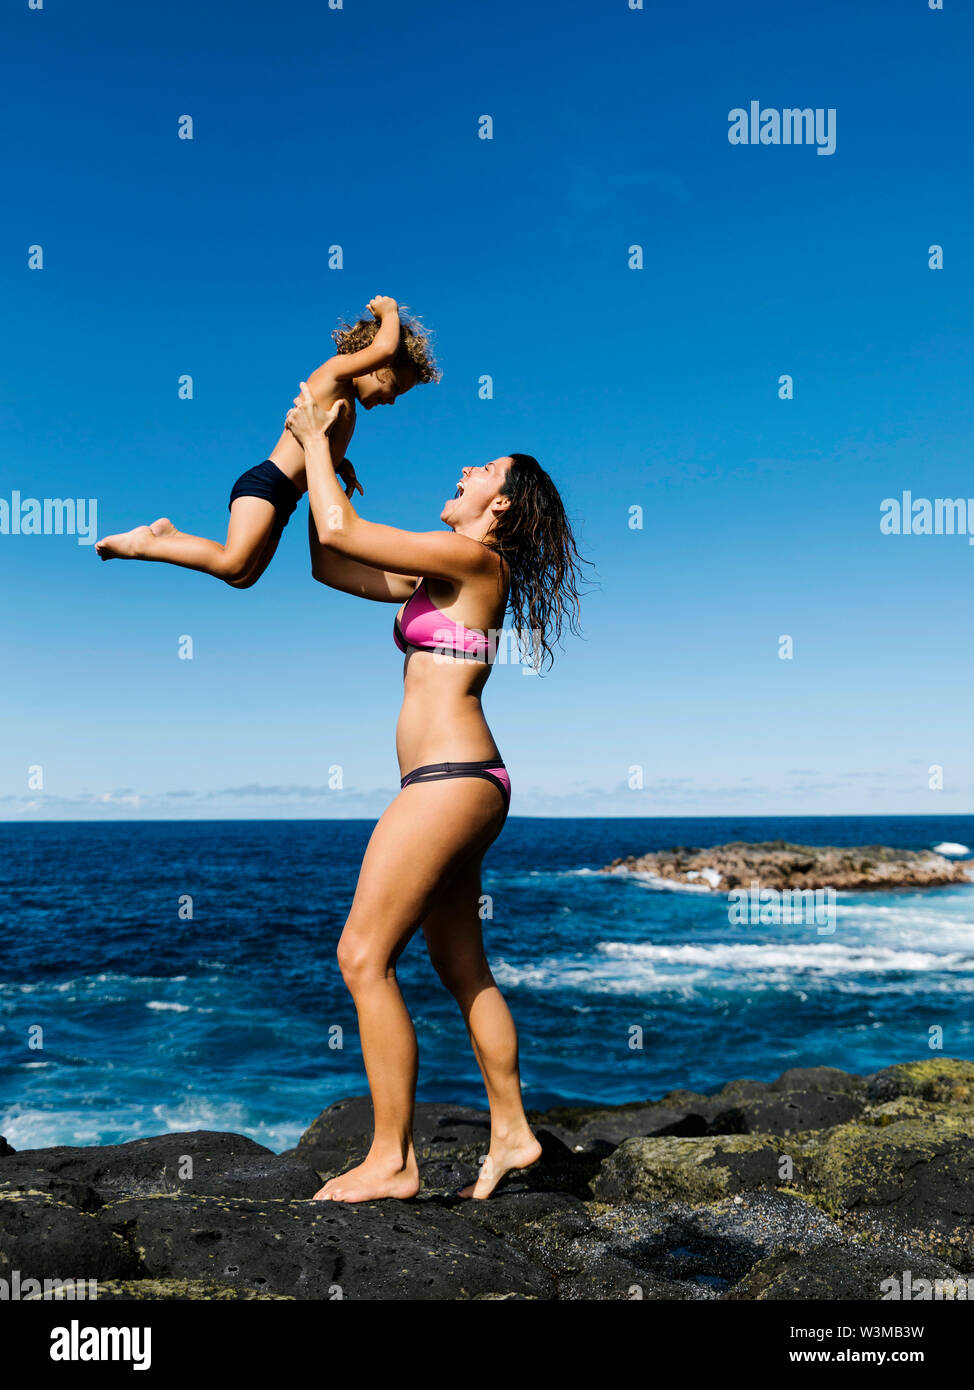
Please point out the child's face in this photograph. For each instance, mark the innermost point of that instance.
(383, 386)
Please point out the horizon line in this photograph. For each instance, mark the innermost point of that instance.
(324, 820)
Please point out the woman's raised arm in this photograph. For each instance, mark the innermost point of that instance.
(330, 567)
(338, 527)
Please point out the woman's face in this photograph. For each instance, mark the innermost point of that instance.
(477, 488)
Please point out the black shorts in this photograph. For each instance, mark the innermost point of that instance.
(267, 481)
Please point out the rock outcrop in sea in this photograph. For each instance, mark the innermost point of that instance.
(819, 1185)
(780, 865)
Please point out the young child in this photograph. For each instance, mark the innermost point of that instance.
(378, 361)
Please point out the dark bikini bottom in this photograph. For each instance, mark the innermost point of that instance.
(491, 769)
(267, 481)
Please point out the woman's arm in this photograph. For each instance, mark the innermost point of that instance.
(352, 577)
(339, 528)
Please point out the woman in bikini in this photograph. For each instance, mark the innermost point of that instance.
(509, 543)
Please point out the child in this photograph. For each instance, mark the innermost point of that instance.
(377, 361)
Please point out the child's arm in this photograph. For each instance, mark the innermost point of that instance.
(379, 353)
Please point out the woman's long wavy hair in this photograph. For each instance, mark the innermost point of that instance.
(535, 538)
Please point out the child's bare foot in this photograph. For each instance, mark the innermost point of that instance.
(505, 1156)
(371, 1180)
(128, 545)
(134, 544)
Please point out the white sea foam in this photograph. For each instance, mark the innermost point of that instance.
(912, 914)
(226, 1117)
(620, 967)
(26, 1127)
(102, 985)
(712, 876)
(165, 1004)
(90, 982)
(663, 885)
(645, 880)
(593, 976)
(827, 956)
(951, 850)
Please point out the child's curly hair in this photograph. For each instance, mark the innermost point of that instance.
(415, 350)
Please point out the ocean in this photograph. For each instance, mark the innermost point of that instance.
(236, 1017)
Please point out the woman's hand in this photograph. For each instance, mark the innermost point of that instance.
(307, 420)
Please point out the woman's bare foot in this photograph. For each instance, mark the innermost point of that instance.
(371, 1180)
(505, 1156)
(134, 544)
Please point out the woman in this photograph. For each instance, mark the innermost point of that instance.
(509, 540)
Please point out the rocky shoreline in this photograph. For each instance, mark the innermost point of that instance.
(779, 865)
(819, 1185)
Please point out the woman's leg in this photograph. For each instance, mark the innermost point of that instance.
(417, 845)
(455, 942)
(239, 561)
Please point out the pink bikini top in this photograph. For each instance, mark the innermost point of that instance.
(424, 627)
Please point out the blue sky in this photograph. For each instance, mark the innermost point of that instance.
(655, 388)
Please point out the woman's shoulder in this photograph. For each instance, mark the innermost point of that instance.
(500, 570)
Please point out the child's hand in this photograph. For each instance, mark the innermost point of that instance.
(346, 472)
(382, 304)
(307, 420)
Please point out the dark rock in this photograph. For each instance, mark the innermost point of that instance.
(599, 1131)
(695, 1170)
(945, 1079)
(26, 1179)
(802, 1098)
(694, 1200)
(340, 1136)
(5, 1148)
(837, 1270)
(152, 1164)
(600, 1275)
(556, 1232)
(779, 865)
(46, 1239)
(222, 1164)
(788, 1112)
(912, 1180)
(450, 1142)
(446, 1170)
(282, 1176)
(818, 1079)
(322, 1250)
(712, 1247)
(170, 1290)
(743, 1090)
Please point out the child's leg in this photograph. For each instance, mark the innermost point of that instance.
(263, 557)
(250, 543)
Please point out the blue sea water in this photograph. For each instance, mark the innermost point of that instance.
(227, 1021)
